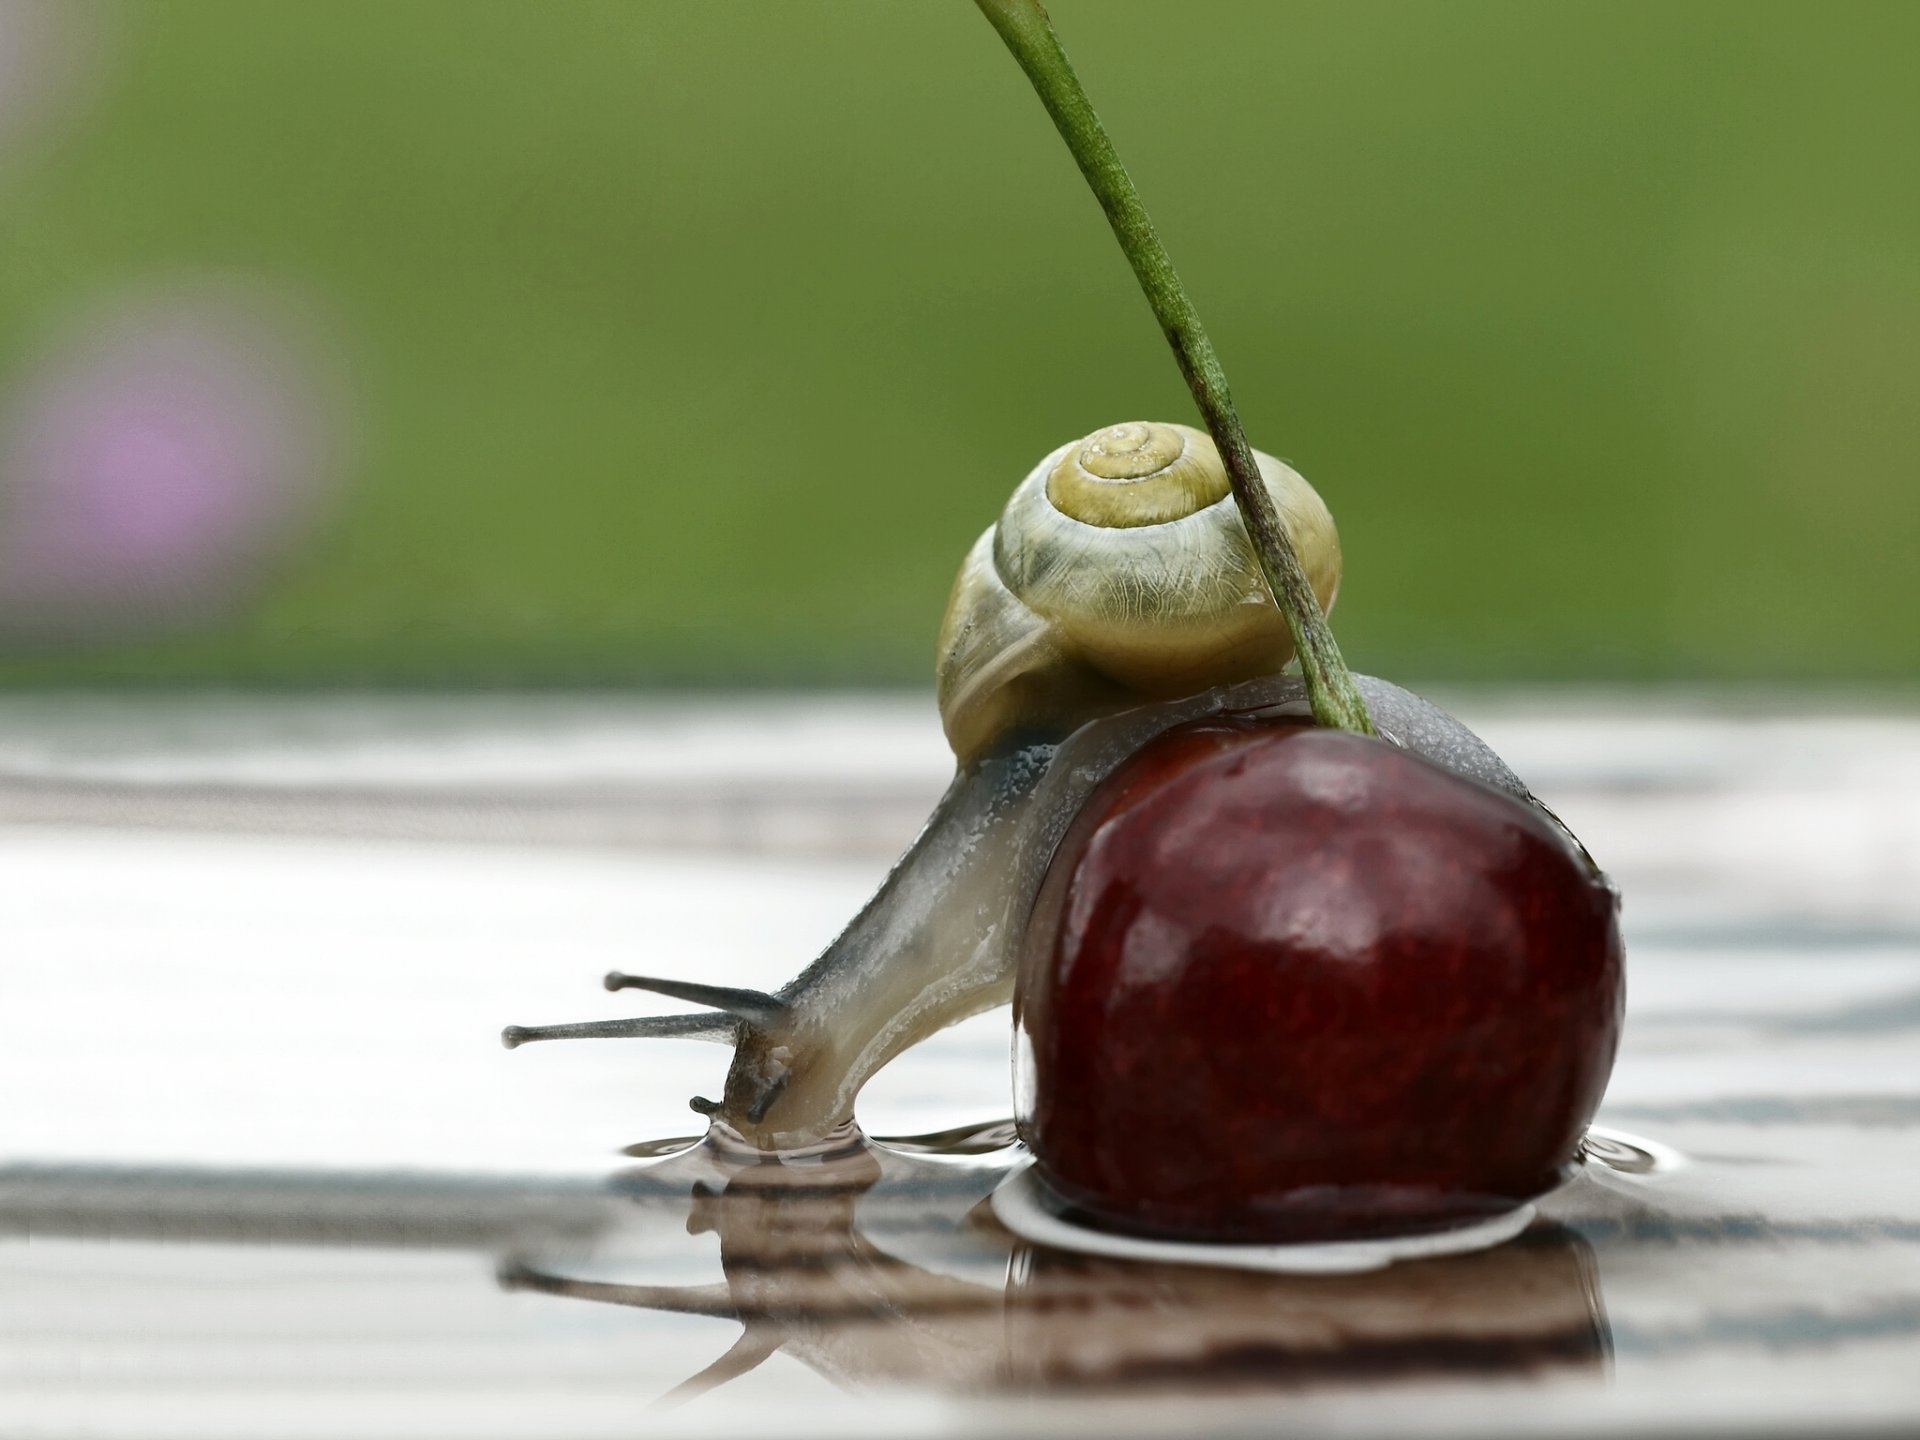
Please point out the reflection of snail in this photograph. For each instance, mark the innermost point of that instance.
(1116, 598)
(803, 1278)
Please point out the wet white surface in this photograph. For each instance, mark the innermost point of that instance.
(258, 954)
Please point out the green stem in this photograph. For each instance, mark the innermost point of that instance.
(1029, 34)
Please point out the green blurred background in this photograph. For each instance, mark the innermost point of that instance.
(693, 343)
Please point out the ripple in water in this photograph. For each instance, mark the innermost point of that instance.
(1630, 1155)
(656, 1149)
(980, 1139)
(983, 1138)
(1026, 1205)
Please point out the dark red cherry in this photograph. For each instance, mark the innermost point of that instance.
(1288, 983)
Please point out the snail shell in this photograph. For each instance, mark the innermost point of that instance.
(1119, 571)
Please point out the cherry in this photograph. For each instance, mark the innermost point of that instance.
(1289, 983)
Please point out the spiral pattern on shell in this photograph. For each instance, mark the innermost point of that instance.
(1119, 571)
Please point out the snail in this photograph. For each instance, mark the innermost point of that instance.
(1116, 598)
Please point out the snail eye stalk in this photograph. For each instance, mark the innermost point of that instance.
(731, 1009)
(723, 1029)
(751, 1007)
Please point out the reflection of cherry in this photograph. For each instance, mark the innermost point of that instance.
(802, 1278)
(1292, 983)
(1523, 1306)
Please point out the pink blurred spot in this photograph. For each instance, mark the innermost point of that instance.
(159, 469)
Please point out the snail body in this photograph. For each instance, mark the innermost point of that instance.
(941, 939)
(1116, 598)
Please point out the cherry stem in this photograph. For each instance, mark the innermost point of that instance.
(1029, 34)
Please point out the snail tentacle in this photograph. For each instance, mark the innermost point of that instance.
(750, 1007)
(721, 1028)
